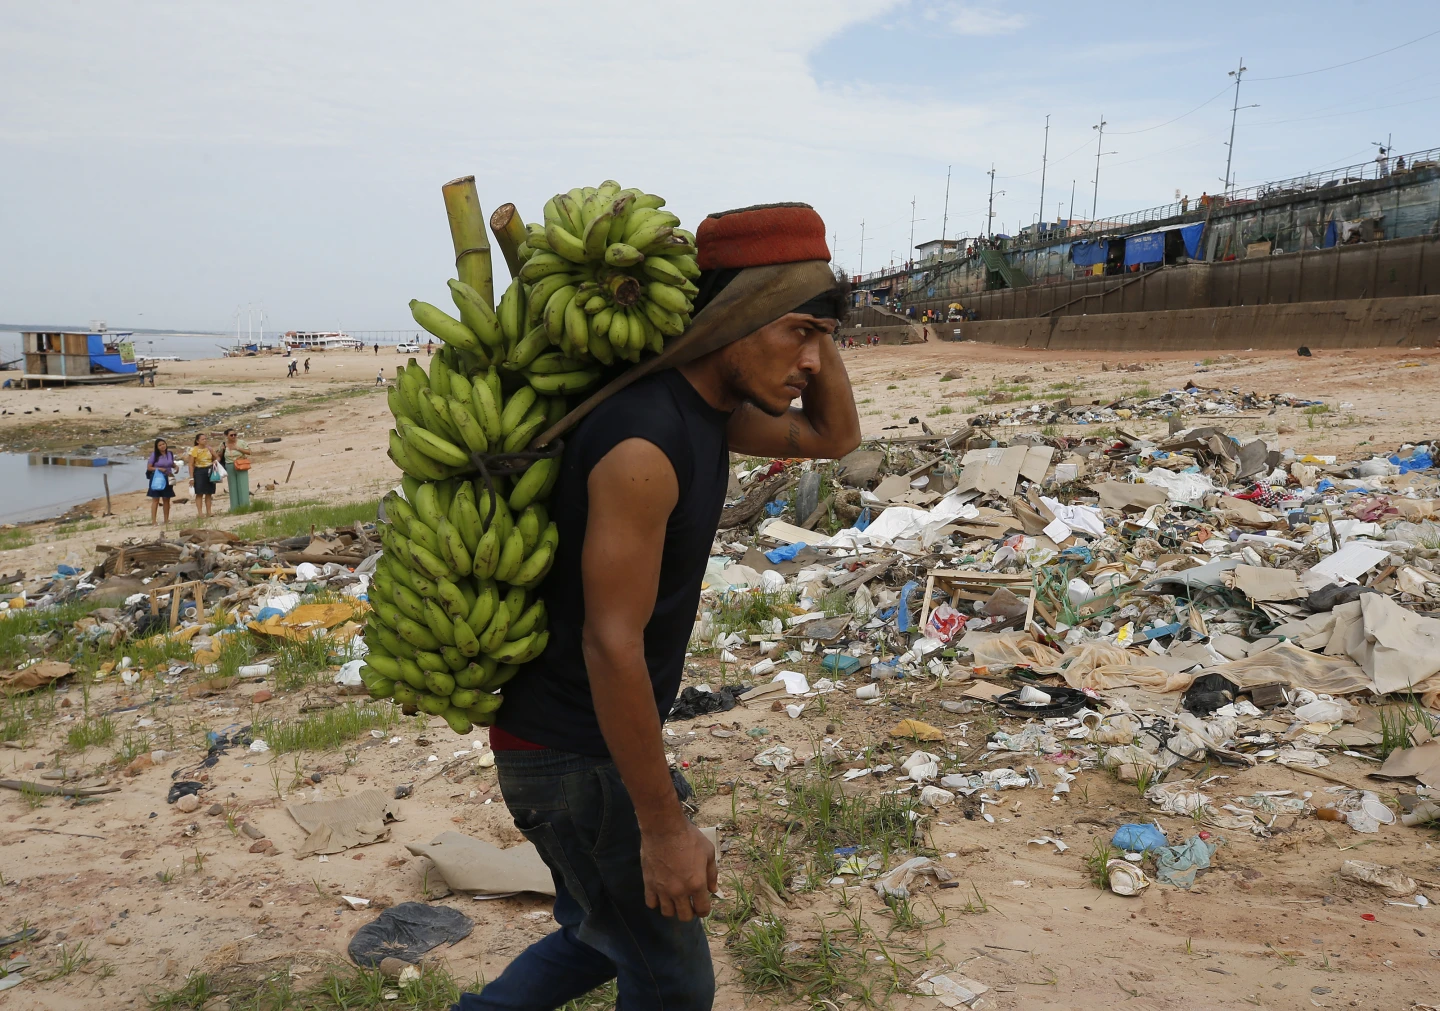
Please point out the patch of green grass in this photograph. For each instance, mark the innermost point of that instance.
(892, 386)
(602, 998)
(300, 664)
(17, 624)
(300, 519)
(1101, 433)
(91, 733)
(1315, 409)
(1142, 392)
(340, 987)
(1096, 861)
(15, 538)
(327, 730)
(942, 409)
(1065, 385)
(256, 505)
(743, 612)
(1396, 723)
(1050, 431)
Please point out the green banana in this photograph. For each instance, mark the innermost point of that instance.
(452, 548)
(667, 296)
(431, 663)
(437, 419)
(543, 265)
(487, 412)
(476, 313)
(520, 438)
(405, 697)
(409, 603)
(528, 487)
(622, 254)
(553, 362)
(451, 599)
(686, 264)
(576, 326)
(389, 615)
(564, 242)
(394, 645)
(440, 373)
(511, 652)
(435, 705)
(504, 672)
(662, 270)
(398, 511)
(441, 450)
(427, 505)
(474, 675)
(381, 687)
(511, 315)
(386, 666)
(484, 607)
(429, 563)
(525, 350)
(535, 567)
(554, 314)
(439, 624)
(539, 295)
(454, 659)
(457, 720)
(516, 408)
(512, 554)
(530, 522)
(440, 683)
(465, 517)
(414, 464)
(411, 674)
(667, 322)
(494, 633)
(443, 325)
(565, 383)
(487, 553)
(398, 405)
(465, 639)
(530, 620)
(416, 634)
(459, 387)
(471, 433)
(462, 699)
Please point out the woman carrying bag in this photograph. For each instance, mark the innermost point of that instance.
(159, 469)
(235, 458)
(205, 473)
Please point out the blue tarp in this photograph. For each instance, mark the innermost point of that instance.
(1089, 252)
(109, 361)
(1147, 247)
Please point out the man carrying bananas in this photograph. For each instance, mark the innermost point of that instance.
(643, 477)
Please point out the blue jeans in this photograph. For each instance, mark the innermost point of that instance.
(578, 814)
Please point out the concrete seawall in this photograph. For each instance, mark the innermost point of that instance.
(1356, 323)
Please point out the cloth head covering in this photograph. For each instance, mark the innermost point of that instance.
(757, 264)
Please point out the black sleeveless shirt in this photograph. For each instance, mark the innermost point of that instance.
(549, 702)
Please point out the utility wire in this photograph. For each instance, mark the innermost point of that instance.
(1353, 112)
(1053, 161)
(1348, 63)
(1131, 133)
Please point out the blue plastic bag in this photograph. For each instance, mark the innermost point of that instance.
(158, 480)
(1137, 838)
(784, 553)
(777, 507)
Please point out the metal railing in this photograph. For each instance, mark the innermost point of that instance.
(1192, 210)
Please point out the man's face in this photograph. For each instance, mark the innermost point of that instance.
(772, 366)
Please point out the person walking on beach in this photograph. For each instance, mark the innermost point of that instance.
(380, 378)
(290, 369)
(159, 470)
(307, 366)
(377, 348)
(235, 458)
(578, 745)
(201, 459)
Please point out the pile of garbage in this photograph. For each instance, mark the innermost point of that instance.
(1193, 400)
(1141, 606)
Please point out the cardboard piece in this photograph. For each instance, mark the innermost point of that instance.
(788, 533)
(37, 675)
(1136, 497)
(336, 825)
(1421, 762)
(1347, 565)
(300, 624)
(984, 691)
(1259, 583)
(474, 865)
(1396, 647)
(994, 470)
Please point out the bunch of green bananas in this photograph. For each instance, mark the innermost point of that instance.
(454, 609)
(607, 276)
(443, 417)
(453, 597)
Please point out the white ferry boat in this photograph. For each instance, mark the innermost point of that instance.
(322, 340)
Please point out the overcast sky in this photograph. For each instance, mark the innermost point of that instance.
(162, 164)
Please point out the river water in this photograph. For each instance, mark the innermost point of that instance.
(164, 345)
(31, 489)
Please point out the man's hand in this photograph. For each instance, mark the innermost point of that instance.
(679, 869)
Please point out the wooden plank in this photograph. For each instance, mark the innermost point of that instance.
(925, 604)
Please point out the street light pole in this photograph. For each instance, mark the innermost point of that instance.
(862, 247)
(945, 219)
(990, 212)
(1234, 112)
(1099, 139)
(1044, 159)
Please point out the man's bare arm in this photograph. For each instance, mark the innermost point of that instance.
(632, 493)
(826, 426)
